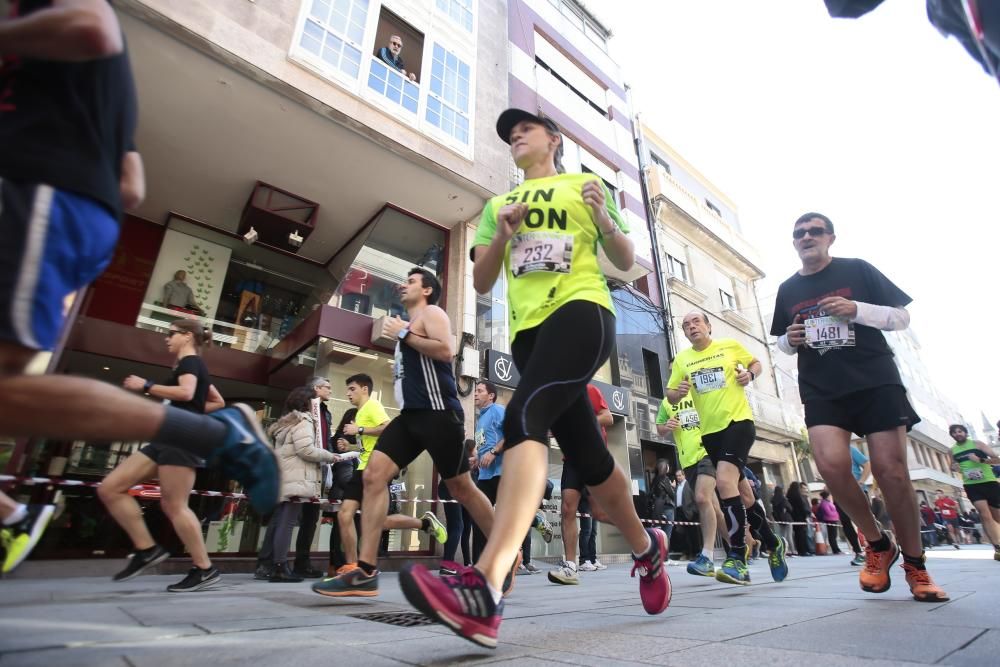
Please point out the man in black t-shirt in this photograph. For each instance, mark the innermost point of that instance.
(68, 168)
(832, 314)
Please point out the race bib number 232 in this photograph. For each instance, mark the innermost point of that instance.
(535, 251)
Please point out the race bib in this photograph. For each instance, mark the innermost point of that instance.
(829, 332)
(708, 379)
(537, 251)
(689, 419)
(974, 475)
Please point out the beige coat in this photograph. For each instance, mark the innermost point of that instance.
(295, 444)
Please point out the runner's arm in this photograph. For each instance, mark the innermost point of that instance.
(68, 31)
(214, 401)
(133, 181)
(437, 343)
(886, 318)
(785, 346)
(605, 418)
(377, 430)
(993, 458)
(184, 391)
(487, 262)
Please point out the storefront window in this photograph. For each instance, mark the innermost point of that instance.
(491, 317)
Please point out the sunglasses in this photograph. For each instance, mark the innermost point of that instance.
(814, 232)
(171, 332)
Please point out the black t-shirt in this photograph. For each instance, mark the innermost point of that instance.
(67, 124)
(854, 357)
(191, 365)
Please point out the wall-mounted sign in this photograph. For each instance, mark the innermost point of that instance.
(500, 369)
(618, 398)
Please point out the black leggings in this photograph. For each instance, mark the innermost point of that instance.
(489, 487)
(556, 360)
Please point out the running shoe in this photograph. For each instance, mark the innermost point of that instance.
(263, 571)
(922, 586)
(544, 527)
(197, 579)
(874, 576)
(435, 527)
(702, 566)
(565, 574)
(777, 561)
(586, 566)
(598, 565)
(448, 568)
(462, 602)
(508, 582)
(733, 571)
(858, 560)
(247, 457)
(655, 590)
(140, 560)
(346, 567)
(531, 568)
(17, 541)
(352, 583)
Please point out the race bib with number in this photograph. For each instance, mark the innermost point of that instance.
(708, 379)
(689, 419)
(537, 251)
(829, 332)
(974, 475)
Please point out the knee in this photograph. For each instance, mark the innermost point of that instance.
(375, 478)
(460, 488)
(173, 508)
(108, 493)
(892, 476)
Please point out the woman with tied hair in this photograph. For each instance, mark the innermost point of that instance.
(300, 456)
(188, 388)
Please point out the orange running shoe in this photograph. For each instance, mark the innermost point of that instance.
(346, 567)
(922, 586)
(874, 576)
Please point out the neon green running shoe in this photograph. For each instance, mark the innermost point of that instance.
(733, 571)
(436, 528)
(18, 540)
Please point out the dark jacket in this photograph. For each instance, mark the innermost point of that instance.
(781, 509)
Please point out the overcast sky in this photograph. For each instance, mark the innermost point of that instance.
(880, 123)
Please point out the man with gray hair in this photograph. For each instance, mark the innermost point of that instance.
(390, 56)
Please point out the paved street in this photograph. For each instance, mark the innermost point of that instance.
(818, 617)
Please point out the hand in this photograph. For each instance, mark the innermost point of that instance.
(744, 377)
(473, 462)
(839, 306)
(975, 458)
(134, 383)
(593, 196)
(796, 332)
(391, 327)
(673, 423)
(509, 219)
(342, 445)
(487, 460)
(683, 388)
(351, 429)
(412, 76)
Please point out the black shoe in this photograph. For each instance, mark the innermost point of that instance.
(140, 560)
(307, 571)
(263, 571)
(196, 580)
(283, 575)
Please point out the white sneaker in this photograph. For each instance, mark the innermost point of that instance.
(587, 566)
(564, 574)
(598, 565)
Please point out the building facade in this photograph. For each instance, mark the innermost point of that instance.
(295, 175)
(707, 265)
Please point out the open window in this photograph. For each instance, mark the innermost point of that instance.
(397, 58)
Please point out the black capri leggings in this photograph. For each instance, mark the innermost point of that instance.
(556, 360)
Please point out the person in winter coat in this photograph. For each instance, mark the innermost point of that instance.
(800, 514)
(300, 456)
(828, 514)
(781, 510)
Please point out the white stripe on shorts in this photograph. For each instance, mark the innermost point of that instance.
(31, 266)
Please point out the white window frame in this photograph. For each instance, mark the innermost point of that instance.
(472, 8)
(300, 54)
(434, 130)
(727, 293)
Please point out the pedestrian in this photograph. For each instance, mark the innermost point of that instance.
(828, 515)
(800, 515)
(300, 454)
(544, 236)
(781, 511)
(831, 314)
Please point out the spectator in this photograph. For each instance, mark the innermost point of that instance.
(927, 531)
(827, 514)
(781, 511)
(178, 294)
(390, 56)
(800, 514)
(662, 500)
(949, 515)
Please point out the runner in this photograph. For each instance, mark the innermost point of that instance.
(359, 575)
(544, 236)
(188, 388)
(715, 372)
(831, 313)
(489, 451)
(430, 419)
(62, 192)
(574, 492)
(975, 460)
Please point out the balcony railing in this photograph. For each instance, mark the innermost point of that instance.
(393, 86)
(224, 334)
(772, 412)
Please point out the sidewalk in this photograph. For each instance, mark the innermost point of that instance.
(817, 617)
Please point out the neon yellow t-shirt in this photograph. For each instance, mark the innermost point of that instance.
(552, 260)
(717, 396)
(688, 436)
(370, 415)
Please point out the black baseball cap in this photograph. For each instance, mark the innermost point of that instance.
(511, 117)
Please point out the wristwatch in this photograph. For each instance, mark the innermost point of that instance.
(361, 430)
(493, 451)
(403, 333)
(147, 386)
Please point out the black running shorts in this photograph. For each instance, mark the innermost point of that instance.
(988, 491)
(731, 444)
(441, 433)
(874, 410)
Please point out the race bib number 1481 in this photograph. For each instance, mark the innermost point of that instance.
(829, 332)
